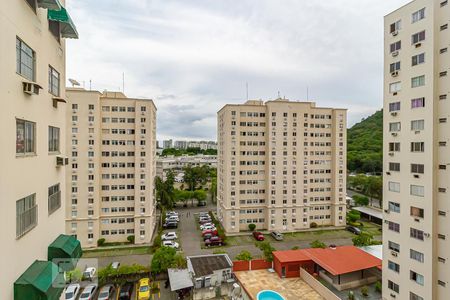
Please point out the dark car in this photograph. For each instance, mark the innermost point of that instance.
(258, 236)
(201, 203)
(214, 241)
(208, 236)
(354, 229)
(126, 291)
(209, 231)
(170, 224)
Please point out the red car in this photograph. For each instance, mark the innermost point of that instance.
(212, 232)
(204, 221)
(258, 236)
(214, 241)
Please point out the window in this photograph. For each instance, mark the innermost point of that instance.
(417, 190)
(53, 81)
(54, 198)
(396, 46)
(394, 147)
(418, 15)
(394, 67)
(26, 215)
(418, 102)
(417, 146)
(393, 286)
(413, 296)
(394, 167)
(393, 266)
(395, 87)
(396, 26)
(394, 207)
(25, 60)
(417, 125)
(393, 246)
(416, 212)
(444, 27)
(417, 168)
(394, 126)
(394, 186)
(53, 139)
(416, 277)
(25, 137)
(418, 81)
(394, 226)
(416, 233)
(416, 255)
(395, 106)
(418, 59)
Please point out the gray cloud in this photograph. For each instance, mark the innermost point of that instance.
(192, 57)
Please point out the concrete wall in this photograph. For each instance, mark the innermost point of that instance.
(317, 286)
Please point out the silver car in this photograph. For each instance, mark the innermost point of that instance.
(277, 235)
(106, 292)
(88, 292)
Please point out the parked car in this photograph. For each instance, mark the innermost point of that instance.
(277, 235)
(88, 292)
(171, 213)
(126, 291)
(72, 291)
(144, 289)
(89, 273)
(203, 213)
(201, 203)
(258, 236)
(208, 227)
(115, 265)
(203, 226)
(170, 225)
(214, 241)
(354, 230)
(169, 236)
(106, 292)
(208, 236)
(211, 231)
(172, 218)
(171, 244)
(204, 221)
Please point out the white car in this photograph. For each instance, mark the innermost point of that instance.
(72, 291)
(88, 292)
(173, 218)
(171, 244)
(170, 236)
(208, 227)
(106, 292)
(205, 225)
(171, 213)
(89, 273)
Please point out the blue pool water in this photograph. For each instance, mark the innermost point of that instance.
(269, 295)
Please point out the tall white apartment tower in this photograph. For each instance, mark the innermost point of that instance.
(111, 140)
(281, 166)
(416, 248)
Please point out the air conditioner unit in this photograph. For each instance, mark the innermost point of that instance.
(416, 176)
(394, 113)
(394, 74)
(394, 133)
(395, 53)
(417, 45)
(61, 161)
(394, 253)
(388, 173)
(393, 295)
(31, 88)
(391, 153)
(386, 211)
(394, 33)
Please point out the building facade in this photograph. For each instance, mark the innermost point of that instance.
(281, 166)
(178, 163)
(32, 173)
(111, 144)
(415, 151)
(167, 144)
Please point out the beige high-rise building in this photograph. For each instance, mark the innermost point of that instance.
(281, 166)
(32, 148)
(111, 140)
(416, 156)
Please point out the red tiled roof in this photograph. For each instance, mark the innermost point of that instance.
(340, 260)
(291, 256)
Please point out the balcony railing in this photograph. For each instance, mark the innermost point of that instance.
(54, 202)
(26, 221)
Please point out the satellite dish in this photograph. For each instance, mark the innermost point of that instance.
(74, 82)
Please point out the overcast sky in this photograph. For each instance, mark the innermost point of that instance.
(194, 56)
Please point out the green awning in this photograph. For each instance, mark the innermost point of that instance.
(41, 281)
(49, 4)
(68, 29)
(65, 252)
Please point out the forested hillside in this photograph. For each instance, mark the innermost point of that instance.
(365, 144)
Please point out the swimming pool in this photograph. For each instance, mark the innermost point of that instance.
(269, 295)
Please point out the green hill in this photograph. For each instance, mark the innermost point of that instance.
(365, 144)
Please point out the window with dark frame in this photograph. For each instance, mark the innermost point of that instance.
(53, 139)
(25, 137)
(25, 60)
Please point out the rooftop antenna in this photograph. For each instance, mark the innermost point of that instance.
(279, 95)
(123, 82)
(74, 82)
(90, 84)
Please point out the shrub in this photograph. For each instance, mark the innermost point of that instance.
(295, 248)
(100, 242)
(365, 291)
(244, 255)
(251, 227)
(266, 249)
(130, 238)
(378, 286)
(313, 225)
(317, 244)
(351, 296)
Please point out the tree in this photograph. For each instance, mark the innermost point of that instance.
(74, 276)
(244, 255)
(165, 192)
(251, 227)
(266, 249)
(317, 244)
(194, 176)
(360, 200)
(362, 239)
(353, 216)
(179, 261)
(375, 188)
(163, 259)
(200, 195)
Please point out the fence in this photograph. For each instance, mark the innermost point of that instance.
(255, 264)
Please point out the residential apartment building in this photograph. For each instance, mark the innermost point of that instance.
(32, 118)
(111, 143)
(178, 163)
(416, 154)
(281, 166)
(167, 144)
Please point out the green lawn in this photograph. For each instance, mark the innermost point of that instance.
(116, 252)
